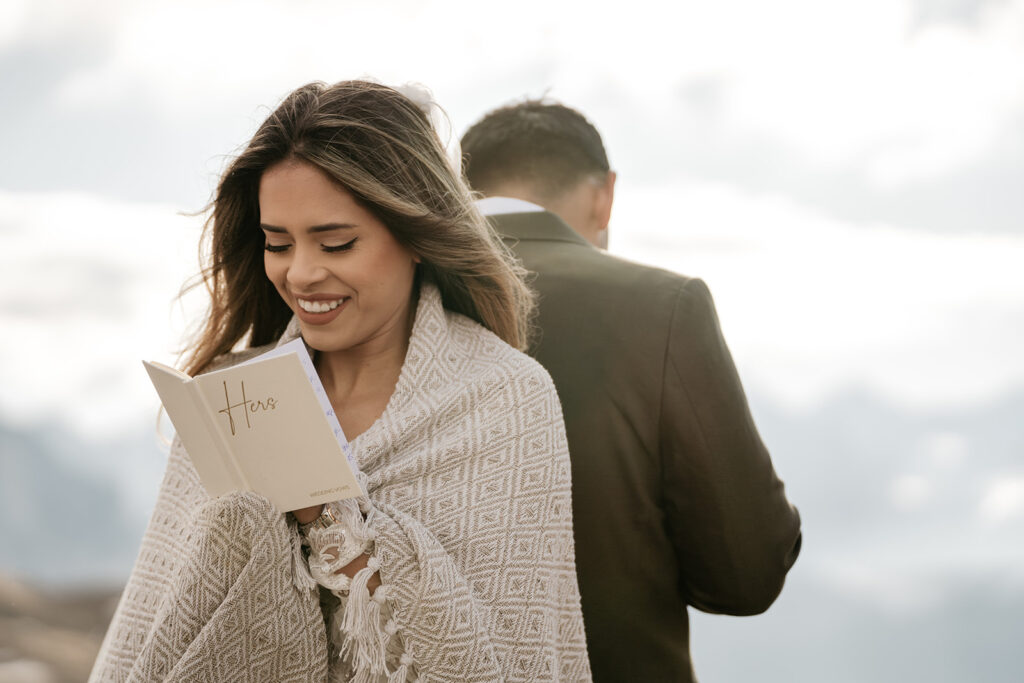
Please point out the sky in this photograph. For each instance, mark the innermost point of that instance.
(845, 176)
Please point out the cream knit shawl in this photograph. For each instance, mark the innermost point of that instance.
(468, 480)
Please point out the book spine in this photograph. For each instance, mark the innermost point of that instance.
(223, 447)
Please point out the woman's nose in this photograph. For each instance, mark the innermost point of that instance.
(306, 268)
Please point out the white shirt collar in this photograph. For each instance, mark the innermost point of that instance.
(495, 206)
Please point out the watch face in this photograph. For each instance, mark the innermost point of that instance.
(326, 518)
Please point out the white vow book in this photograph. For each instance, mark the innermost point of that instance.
(265, 425)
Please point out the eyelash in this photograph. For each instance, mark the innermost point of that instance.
(278, 248)
(341, 247)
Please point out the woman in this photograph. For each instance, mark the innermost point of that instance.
(342, 222)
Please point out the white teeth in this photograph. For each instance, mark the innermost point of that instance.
(318, 306)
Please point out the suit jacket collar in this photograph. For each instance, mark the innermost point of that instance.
(536, 225)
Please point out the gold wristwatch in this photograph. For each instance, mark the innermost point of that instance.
(325, 520)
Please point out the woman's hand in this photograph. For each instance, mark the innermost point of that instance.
(307, 515)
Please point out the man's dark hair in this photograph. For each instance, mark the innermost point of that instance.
(544, 145)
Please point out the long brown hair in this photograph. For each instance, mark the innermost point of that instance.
(381, 147)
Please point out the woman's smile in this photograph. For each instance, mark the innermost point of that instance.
(319, 304)
(319, 311)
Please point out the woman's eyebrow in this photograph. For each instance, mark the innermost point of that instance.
(326, 227)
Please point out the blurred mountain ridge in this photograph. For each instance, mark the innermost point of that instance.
(63, 521)
(902, 575)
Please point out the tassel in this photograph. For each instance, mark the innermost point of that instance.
(301, 577)
(364, 676)
(373, 617)
(354, 619)
(361, 627)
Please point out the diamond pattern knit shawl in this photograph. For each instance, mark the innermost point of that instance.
(468, 480)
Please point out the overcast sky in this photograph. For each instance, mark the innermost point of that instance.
(845, 176)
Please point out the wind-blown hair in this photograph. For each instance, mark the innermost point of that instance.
(380, 146)
(544, 145)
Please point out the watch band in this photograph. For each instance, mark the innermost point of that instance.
(327, 518)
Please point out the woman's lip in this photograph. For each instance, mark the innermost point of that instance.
(318, 297)
(321, 318)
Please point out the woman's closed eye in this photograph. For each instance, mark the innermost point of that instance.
(329, 248)
(332, 248)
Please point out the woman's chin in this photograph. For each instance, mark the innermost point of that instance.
(322, 340)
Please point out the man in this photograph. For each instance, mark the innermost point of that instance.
(675, 500)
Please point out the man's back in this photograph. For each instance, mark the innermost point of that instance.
(675, 501)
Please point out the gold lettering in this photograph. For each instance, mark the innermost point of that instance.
(246, 405)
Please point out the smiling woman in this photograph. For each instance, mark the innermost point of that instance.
(343, 223)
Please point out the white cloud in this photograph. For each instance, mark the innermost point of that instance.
(910, 491)
(840, 86)
(854, 86)
(12, 19)
(187, 55)
(88, 290)
(893, 586)
(945, 451)
(34, 22)
(809, 303)
(907, 568)
(1003, 500)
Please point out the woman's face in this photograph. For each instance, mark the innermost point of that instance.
(333, 262)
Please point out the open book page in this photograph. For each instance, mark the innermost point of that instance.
(269, 415)
(207, 453)
(266, 421)
(299, 347)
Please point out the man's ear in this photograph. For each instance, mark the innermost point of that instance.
(603, 198)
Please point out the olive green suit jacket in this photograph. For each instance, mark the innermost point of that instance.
(675, 500)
